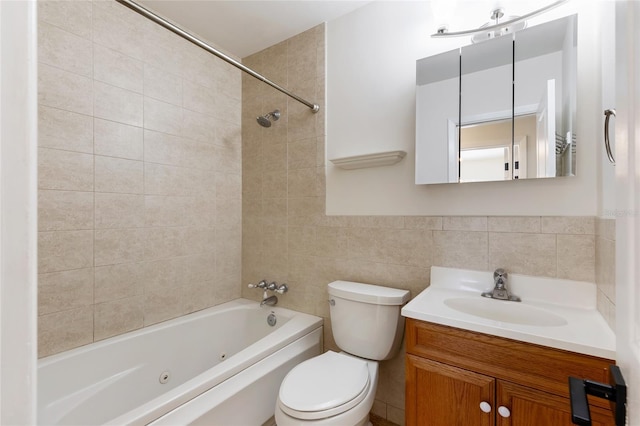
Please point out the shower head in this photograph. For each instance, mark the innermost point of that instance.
(265, 120)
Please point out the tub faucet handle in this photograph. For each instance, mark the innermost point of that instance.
(272, 286)
(282, 288)
(262, 284)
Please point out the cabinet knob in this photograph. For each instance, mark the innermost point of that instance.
(485, 407)
(504, 411)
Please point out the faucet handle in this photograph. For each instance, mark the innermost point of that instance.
(500, 273)
(283, 288)
(261, 284)
(272, 286)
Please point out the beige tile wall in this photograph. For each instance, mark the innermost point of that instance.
(606, 268)
(288, 238)
(139, 175)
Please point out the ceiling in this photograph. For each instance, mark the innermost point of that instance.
(241, 27)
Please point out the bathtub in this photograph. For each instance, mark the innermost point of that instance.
(219, 366)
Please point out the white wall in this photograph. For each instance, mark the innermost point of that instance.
(18, 261)
(607, 200)
(371, 56)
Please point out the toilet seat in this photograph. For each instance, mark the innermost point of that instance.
(324, 386)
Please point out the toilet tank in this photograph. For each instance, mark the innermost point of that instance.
(365, 318)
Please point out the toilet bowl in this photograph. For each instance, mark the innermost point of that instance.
(339, 388)
(330, 389)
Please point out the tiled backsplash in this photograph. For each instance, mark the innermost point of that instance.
(139, 175)
(288, 238)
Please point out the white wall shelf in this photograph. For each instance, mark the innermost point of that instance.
(375, 159)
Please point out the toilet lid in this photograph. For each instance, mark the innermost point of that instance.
(330, 382)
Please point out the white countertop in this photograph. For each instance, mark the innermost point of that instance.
(582, 329)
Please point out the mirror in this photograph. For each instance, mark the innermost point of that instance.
(502, 109)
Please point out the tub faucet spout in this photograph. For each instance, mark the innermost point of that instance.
(270, 301)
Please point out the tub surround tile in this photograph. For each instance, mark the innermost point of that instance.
(162, 86)
(160, 179)
(302, 183)
(198, 295)
(196, 126)
(118, 316)
(199, 98)
(172, 150)
(129, 174)
(117, 104)
(64, 250)
(112, 139)
(332, 242)
(74, 17)
(228, 158)
(64, 130)
(159, 275)
(64, 90)
(64, 170)
(163, 210)
(113, 246)
(163, 117)
(60, 331)
(119, 34)
(274, 184)
(64, 50)
(164, 305)
(274, 157)
(166, 242)
(65, 210)
(118, 175)
(116, 69)
(61, 291)
(119, 210)
(120, 281)
(228, 186)
(302, 239)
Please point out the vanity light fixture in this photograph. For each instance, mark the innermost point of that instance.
(498, 28)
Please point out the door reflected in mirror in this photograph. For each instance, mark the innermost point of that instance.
(483, 144)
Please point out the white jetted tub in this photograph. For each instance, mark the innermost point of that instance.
(219, 366)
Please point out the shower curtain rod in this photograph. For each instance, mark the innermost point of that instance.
(185, 35)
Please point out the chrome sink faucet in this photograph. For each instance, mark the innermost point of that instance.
(500, 290)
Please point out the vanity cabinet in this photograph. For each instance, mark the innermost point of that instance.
(459, 377)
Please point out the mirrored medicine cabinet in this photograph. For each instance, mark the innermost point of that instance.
(501, 109)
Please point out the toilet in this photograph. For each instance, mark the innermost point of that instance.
(339, 388)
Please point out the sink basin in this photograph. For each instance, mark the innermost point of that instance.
(503, 311)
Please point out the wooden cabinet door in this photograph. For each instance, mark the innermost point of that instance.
(441, 395)
(530, 407)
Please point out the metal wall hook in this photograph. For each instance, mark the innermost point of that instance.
(607, 144)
